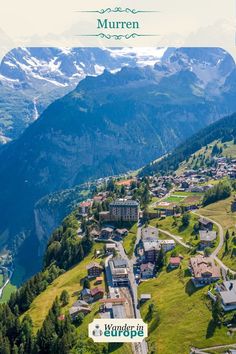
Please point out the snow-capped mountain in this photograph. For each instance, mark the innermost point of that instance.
(32, 78)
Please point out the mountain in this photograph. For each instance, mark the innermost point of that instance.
(108, 125)
(32, 78)
(224, 129)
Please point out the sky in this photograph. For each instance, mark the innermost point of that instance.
(57, 23)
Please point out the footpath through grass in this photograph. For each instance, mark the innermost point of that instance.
(174, 226)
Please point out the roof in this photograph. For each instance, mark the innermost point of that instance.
(85, 291)
(147, 266)
(92, 265)
(113, 300)
(175, 260)
(145, 296)
(85, 204)
(118, 311)
(229, 294)
(121, 231)
(151, 245)
(80, 303)
(203, 267)
(207, 236)
(205, 221)
(167, 242)
(96, 291)
(120, 263)
(110, 245)
(107, 229)
(150, 232)
(125, 202)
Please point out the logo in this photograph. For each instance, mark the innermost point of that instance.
(118, 330)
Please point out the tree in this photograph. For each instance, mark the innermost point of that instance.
(207, 252)
(217, 311)
(185, 219)
(65, 297)
(86, 284)
(227, 236)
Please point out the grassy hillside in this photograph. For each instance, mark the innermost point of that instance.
(70, 281)
(221, 212)
(184, 313)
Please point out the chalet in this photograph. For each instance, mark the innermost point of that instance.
(85, 295)
(204, 271)
(84, 208)
(147, 270)
(228, 295)
(97, 293)
(94, 270)
(79, 307)
(207, 238)
(174, 262)
(167, 245)
(205, 224)
(107, 232)
(121, 233)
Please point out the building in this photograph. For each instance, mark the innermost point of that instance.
(144, 298)
(97, 293)
(204, 271)
(174, 262)
(110, 248)
(207, 238)
(167, 245)
(228, 295)
(121, 233)
(84, 208)
(124, 210)
(79, 306)
(149, 233)
(119, 272)
(147, 270)
(86, 295)
(94, 270)
(205, 224)
(107, 232)
(151, 249)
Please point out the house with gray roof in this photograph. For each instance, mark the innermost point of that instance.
(228, 295)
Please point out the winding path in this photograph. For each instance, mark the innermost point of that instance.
(221, 243)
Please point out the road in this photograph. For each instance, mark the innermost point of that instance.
(139, 348)
(220, 245)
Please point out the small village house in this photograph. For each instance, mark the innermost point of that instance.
(204, 271)
(94, 270)
(174, 262)
(147, 270)
(207, 238)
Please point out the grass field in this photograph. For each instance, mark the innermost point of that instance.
(129, 240)
(184, 313)
(175, 227)
(9, 289)
(174, 199)
(221, 212)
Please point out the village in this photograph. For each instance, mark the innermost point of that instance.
(113, 278)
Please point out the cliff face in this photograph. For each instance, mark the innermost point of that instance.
(109, 124)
